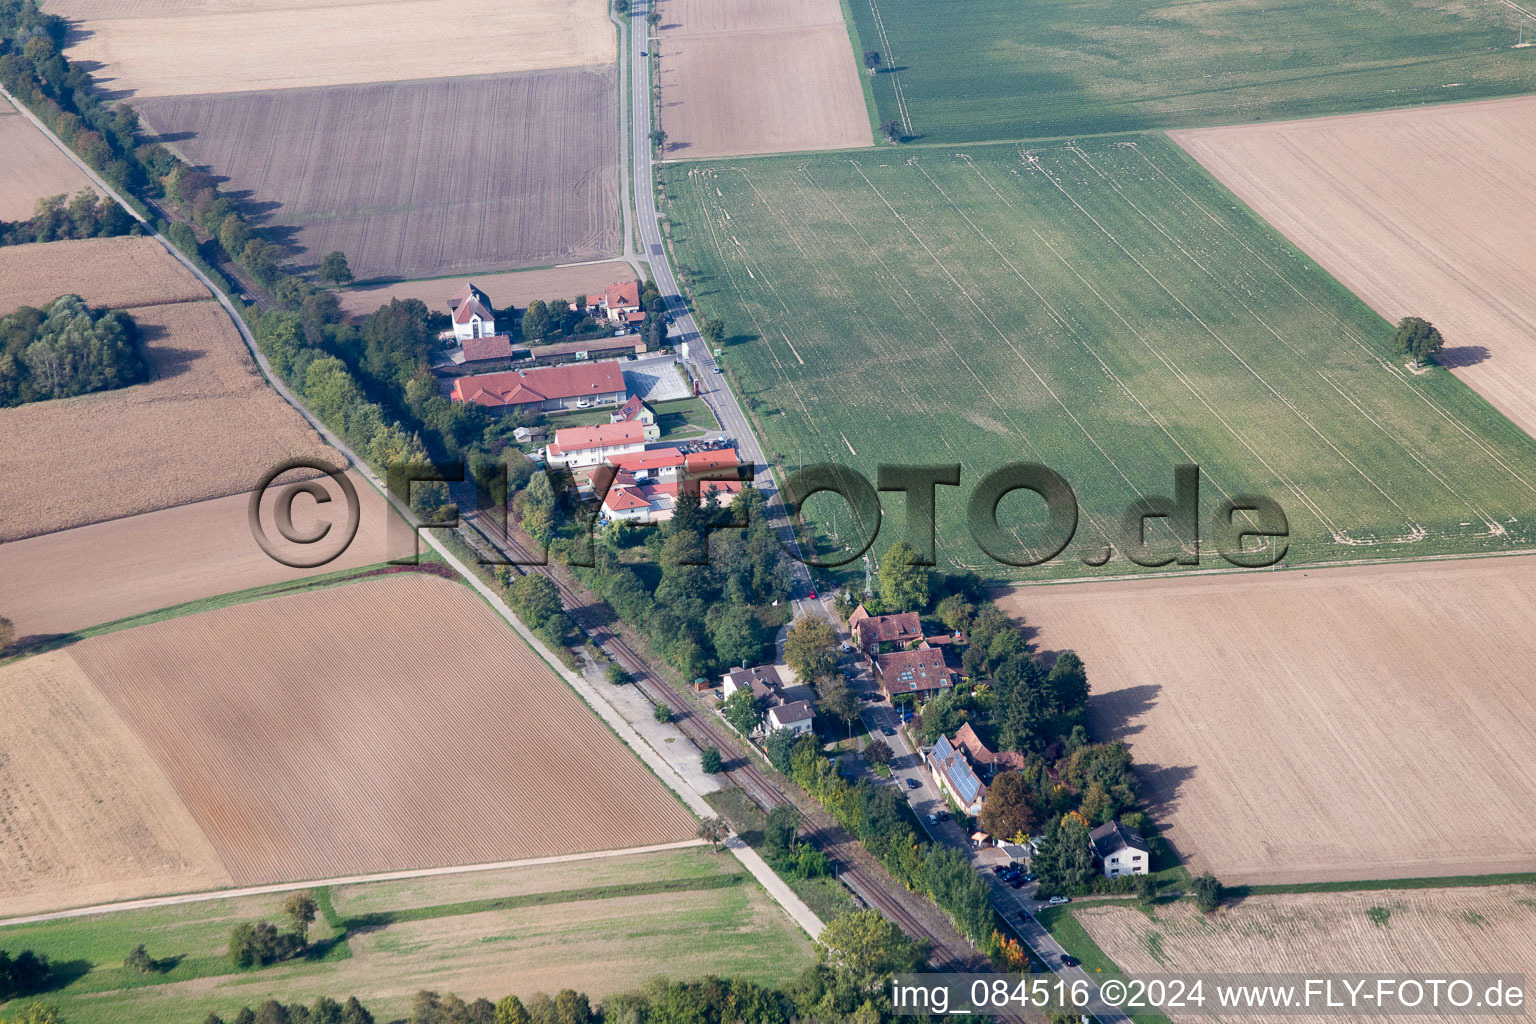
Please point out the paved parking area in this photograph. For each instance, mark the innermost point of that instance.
(656, 380)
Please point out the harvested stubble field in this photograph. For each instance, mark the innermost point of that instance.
(1435, 932)
(1102, 307)
(205, 425)
(74, 579)
(31, 168)
(132, 270)
(1420, 212)
(1011, 71)
(472, 173)
(191, 47)
(401, 725)
(1333, 724)
(758, 76)
(696, 906)
(85, 813)
(516, 288)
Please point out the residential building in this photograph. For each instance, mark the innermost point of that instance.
(654, 465)
(619, 302)
(795, 716)
(712, 463)
(632, 498)
(876, 633)
(470, 309)
(636, 411)
(987, 763)
(545, 388)
(922, 672)
(764, 682)
(580, 447)
(1120, 850)
(487, 349)
(953, 774)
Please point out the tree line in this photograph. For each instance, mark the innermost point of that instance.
(66, 349)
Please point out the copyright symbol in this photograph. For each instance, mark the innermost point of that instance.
(1112, 992)
(282, 515)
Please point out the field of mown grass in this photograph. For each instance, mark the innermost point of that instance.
(1104, 308)
(1003, 70)
(601, 926)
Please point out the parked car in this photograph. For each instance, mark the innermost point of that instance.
(1060, 899)
(1029, 878)
(943, 815)
(1068, 960)
(998, 869)
(933, 819)
(886, 730)
(913, 784)
(1015, 882)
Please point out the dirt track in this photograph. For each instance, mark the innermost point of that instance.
(85, 814)
(402, 726)
(1424, 212)
(751, 76)
(1370, 722)
(474, 174)
(96, 574)
(192, 47)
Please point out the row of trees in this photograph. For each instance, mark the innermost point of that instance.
(259, 943)
(65, 349)
(86, 215)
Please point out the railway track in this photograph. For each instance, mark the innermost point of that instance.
(852, 862)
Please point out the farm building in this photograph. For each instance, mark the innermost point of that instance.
(636, 411)
(1120, 850)
(922, 672)
(481, 352)
(580, 447)
(471, 313)
(625, 346)
(620, 303)
(887, 632)
(796, 716)
(545, 388)
(952, 772)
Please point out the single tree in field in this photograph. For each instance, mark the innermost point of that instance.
(878, 752)
(300, 909)
(653, 19)
(714, 830)
(334, 268)
(810, 648)
(659, 139)
(1207, 892)
(872, 60)
(7, 633)
(140, 960)
(1418, 338)
(710, 761)
(713, 329)
(892, 131)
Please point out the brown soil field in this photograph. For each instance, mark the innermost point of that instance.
(758, 76)
(1433, 932)
(1332, 724)
(192, 47)
(114, 272)
(475, 173)
(515, 288)
(86, 816)
(205, 425)
(73, 579)
(385, 725)
(32, 167)
(1423, 212)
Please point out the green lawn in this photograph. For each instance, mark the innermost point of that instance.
(1101, 307)
(1001, 70)
(681, 913)
(680, 420)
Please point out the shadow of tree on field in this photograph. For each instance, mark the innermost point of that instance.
(1462, 355)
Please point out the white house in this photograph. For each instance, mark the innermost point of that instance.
(579, 447)
(1120, 850)
(620, 303)
(471, 310)
(795, 716)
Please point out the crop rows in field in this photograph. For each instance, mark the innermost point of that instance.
(1103, 308)
(1008, 71)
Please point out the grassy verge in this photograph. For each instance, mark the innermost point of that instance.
(1370, 885)
(825, 896)
(1063, 925)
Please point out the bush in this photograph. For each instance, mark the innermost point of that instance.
(1207, 892)
(710, 761)
(662, 713)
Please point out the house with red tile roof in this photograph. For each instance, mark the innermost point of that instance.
(987, 761)
(618, 302)
(921, 671)
(581, 447)
(545, 388)
(876, 633)
(495, 348)
(470, 310)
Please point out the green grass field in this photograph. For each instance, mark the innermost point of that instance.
(990, 69)
(600, 926)
(1104, 308)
